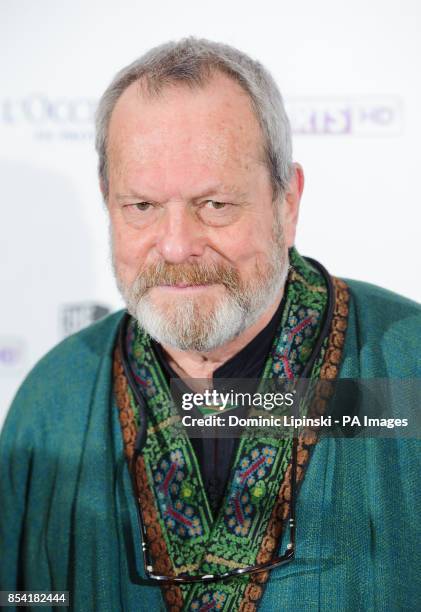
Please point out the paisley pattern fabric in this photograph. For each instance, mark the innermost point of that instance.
(175, 505)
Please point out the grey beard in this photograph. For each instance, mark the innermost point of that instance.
(182, 324)
(186, 328)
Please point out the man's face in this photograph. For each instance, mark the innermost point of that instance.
(198, 248)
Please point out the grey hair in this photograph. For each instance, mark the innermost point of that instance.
(193, 61)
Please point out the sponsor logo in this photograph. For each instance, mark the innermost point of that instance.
(73, 118)
(365, 116)
(50, 118)
(74, 317)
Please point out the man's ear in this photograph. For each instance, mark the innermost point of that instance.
(291, 204)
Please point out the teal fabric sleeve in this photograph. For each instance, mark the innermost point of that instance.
(63, 482)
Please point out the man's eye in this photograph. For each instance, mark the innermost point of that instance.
(218, 214)
(142, 205)
(213, 205)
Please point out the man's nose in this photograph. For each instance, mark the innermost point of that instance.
(180, 234)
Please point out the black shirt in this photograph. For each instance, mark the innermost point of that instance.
(215, 455)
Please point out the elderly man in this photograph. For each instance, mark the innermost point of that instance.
(196, 171)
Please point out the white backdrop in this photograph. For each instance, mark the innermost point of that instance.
(350, 76)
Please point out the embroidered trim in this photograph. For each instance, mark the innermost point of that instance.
(307, 440)
(159, 551)
(156, 541)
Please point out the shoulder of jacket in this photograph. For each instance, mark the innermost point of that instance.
(69, 368)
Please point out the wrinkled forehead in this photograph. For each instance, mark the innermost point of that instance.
(213, 124)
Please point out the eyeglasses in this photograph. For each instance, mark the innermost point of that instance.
(251, 569)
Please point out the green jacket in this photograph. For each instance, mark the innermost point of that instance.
(67, 511)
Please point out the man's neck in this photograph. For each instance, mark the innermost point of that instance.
(202, 365)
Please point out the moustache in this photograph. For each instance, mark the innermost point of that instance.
(164, 273)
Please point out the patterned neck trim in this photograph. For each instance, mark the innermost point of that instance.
(185, 537)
